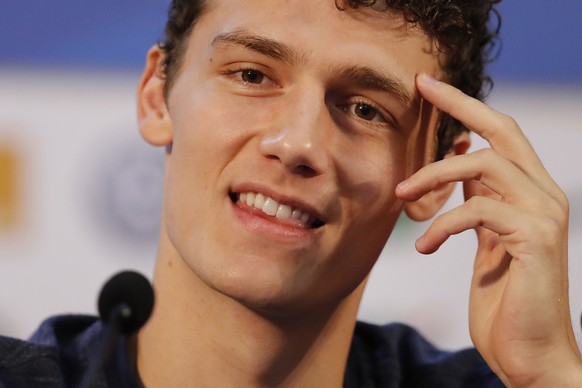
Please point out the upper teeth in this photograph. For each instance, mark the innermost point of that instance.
(273, 208)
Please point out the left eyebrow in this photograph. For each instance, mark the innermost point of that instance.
(368, 78)
(261, 44)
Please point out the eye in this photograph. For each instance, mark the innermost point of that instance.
(252, 76)
(365, 112)
(250, 79)
(368, 113)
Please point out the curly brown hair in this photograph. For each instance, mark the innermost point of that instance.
(462, 29)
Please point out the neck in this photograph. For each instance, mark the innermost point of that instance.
(199, 336)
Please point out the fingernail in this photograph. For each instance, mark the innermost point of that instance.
(418, 243)
(429, 79)
(403, 185)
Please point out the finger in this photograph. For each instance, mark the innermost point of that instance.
(470, 215)
(499, 130)
(474, 188)
(523, 234)
(495, 172)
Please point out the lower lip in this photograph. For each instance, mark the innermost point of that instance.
(269, 227)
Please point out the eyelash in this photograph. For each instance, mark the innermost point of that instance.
(387, 120)
(241, 70)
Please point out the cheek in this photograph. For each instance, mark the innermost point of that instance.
(210, 128)
(215, 124)
(370, 174)
(370, 207)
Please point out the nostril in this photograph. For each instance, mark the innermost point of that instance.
(304, 171)
(299, 148)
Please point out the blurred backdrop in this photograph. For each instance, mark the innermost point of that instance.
(80, 191)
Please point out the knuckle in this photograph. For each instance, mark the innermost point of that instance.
(488, 158)
(439, 221)
(475, 203)
(489, 155)
(563, 201)
(502, 123)
(506, 121)
(549, 230)
(557, 207)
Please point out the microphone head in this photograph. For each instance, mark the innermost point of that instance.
(132, 292)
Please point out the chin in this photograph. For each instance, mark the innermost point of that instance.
(260, 292)
(277, 297)
(269, 293)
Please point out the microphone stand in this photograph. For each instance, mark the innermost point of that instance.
(111, 333)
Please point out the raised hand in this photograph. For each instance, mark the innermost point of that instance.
(519, 310)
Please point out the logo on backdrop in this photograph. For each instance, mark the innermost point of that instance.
(10, 195)
(128, 191)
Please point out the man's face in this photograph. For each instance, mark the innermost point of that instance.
(292, 124)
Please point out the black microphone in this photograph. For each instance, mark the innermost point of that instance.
(125, 304)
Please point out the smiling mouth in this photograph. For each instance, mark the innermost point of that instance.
(267, 206)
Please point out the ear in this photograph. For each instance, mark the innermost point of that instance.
(427, 206)
(152, 113)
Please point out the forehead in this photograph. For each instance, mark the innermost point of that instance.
(326, 35)
(315, 12)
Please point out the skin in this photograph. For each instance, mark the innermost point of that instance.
(519, 311)
(249, 300)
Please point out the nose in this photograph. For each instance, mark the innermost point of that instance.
(298, 140)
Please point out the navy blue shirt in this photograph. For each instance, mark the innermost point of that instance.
(395, 355)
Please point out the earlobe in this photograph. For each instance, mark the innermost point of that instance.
(154, 120)
(427, 206)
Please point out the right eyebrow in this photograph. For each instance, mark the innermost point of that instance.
(261, 44)
(368, 78)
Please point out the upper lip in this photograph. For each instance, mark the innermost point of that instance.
(283, 199)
